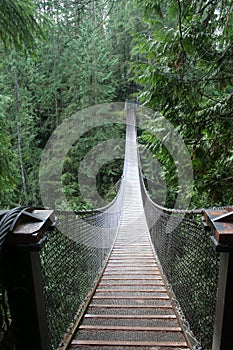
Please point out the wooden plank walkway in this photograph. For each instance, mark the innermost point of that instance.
(131, 307)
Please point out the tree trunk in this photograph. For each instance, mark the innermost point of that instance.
(19, 135)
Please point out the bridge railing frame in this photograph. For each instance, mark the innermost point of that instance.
(219, 222)
(22, 276)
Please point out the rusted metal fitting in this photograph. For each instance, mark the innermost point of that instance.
(29, 226)
(220, 224)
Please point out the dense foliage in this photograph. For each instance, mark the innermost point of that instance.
(82, 61)
(184, 67)
(56, 60)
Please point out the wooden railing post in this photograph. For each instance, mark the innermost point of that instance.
(23, 280)
(220, 223)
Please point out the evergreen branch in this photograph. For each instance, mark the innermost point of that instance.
(184, 56)
(211, 2)
(106, 16)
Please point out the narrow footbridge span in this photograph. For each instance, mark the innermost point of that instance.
(131, 307)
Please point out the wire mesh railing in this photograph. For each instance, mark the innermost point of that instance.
(189, 263)
(72, 259)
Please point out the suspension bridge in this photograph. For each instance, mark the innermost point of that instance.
(131, 306)
(132, 275)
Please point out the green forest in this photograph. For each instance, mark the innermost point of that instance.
(59, 57)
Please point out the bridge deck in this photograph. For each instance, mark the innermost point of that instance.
(131, 307)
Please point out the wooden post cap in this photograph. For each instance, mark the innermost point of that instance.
(29, 226)
(220, 223)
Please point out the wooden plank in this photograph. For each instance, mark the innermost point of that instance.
(104, 290)
(130, 266)
(148, 255)
(129, 343)
(135, 284)
(159, 297)
(123, 271)
(130, 328)
(125, 306)
(132, 279)
(143, 317)
(133, 256)
(132, 273)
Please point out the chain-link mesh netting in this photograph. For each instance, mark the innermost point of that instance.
(71, 260)
(189, 263)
